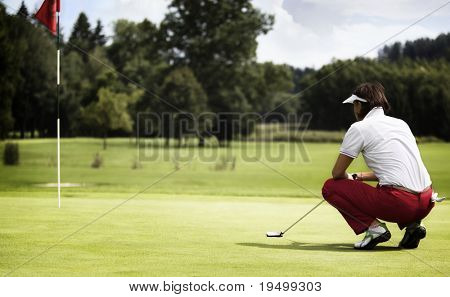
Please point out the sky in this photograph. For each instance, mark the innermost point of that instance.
(306, 33)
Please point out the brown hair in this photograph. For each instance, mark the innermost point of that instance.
(374, 94)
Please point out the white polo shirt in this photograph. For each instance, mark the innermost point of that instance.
(389, 149)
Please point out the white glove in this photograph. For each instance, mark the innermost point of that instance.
(435, 198)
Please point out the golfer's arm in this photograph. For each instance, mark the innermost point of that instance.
(367, 176)
(339, 169)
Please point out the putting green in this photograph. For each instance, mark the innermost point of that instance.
(196, 222)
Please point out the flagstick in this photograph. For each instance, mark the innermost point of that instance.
(57, 121)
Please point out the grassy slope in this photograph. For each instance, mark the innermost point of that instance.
(197, 222)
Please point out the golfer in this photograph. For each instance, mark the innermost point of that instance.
(403, 194)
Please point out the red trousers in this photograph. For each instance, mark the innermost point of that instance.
(360, 204)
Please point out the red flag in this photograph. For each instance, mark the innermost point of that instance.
(47, 14)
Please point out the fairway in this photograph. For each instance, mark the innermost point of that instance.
(197, 220)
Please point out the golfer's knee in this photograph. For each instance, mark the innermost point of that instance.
(328, 188)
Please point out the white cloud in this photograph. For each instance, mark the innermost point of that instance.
(388, 9)
(358, 39)
(312, 33)
(288, 42)
(134, 10)
(392, 10)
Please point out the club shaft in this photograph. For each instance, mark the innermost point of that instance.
(306, 214)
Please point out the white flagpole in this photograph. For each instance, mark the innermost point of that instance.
(58, 56)
(59, 167)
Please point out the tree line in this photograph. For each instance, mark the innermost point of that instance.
(200, 58)
(416, 77)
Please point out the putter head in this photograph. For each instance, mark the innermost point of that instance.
(274, 234)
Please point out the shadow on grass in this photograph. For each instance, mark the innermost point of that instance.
(333, 247)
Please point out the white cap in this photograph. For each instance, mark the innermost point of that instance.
(354, 98)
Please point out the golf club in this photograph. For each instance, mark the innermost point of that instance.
(281, 233)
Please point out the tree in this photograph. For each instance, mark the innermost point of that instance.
(110, 112)
(98, 38)
(81, 37)
(81, 80)
(23, 10)
(34, 99)
(422, 48)
(136, 52)
(76, 87)
(202, 57)
(416, 90)
(216, 39)
(392, 53)
(272, 80)
(135, 49)
(181, 89)
(8, 74)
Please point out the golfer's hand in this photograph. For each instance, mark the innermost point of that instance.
(354, 176)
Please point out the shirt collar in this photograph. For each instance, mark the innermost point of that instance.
(375, 112)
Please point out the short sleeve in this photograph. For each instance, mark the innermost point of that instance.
(353, 142)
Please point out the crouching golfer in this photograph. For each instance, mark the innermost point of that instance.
(403, 194)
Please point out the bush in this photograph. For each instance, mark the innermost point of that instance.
(11, 154)
(98, 161)
(225, 162)
(280, 132)
(136, 164)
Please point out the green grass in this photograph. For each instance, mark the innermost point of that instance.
(197, 221)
